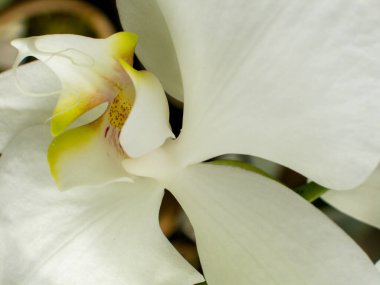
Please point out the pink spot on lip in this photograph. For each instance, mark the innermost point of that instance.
(106, 132)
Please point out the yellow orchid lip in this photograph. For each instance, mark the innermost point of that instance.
(103, 85)
(95, 144)
(93, 72)
(135, 123)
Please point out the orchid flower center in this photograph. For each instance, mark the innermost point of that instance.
(134, 128)
(115, 117)
(119, 110)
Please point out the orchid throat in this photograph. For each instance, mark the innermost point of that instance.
(93, 72)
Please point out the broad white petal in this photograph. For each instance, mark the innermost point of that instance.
(293, 82)
(107, 235)
(252, 230)
(147, 126)
(155, 48)
(18, 111)
(361, 203)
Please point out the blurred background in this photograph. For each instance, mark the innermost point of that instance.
(98, 18)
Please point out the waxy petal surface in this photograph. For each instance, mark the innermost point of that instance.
(106, 235)
(292, 82)
(147, 126)
(87, 156)
(18, 111)
(361, 203)
(251, 230)
(155, 47)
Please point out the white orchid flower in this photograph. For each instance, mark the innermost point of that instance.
(293, 82)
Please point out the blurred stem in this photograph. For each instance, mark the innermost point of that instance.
(92, 16)
(311, 191)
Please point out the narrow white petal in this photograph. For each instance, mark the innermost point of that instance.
(18, 111)
(361, 203)
(252, 230)
(155, 47)
(293, 82)
(100, 236)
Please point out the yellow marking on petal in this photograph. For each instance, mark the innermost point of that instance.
(130, 70)
(119, 110)
(123, 45)
(70, 141)
(104, 85)
(69, 108)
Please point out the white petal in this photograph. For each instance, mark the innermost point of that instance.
(147, 126)
(155, 47)
(293, 82)
(89, 155)
(252, 230)
(97, 236)
(18, 111)
(361, 203)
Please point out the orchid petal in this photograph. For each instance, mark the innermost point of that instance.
(18, 111)
(155, 47)
(147, 126)
(361, 203)
(88, 69)
(87, 156)
(301, 79)
(252, 230)
(106, 235)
